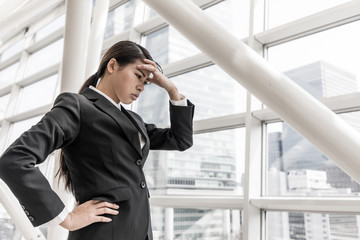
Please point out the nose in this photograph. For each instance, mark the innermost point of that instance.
(140, 87)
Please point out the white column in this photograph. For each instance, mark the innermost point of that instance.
(324, 129)
(169, 223)
(226, 224)
(77, 25)
(96, 38)
(251, 228)
(252, 176)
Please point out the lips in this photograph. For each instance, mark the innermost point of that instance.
(134, 96)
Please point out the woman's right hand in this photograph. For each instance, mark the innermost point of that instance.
(87, 213)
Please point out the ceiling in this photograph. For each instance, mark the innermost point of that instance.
(15, 15)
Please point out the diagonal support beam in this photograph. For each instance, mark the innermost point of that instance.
(323, 128)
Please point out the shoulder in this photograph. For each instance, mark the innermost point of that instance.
(67, 97)
(69, 100)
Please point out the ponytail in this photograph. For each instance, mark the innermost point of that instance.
(91, 81)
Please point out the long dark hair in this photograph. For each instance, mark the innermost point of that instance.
(125, 52)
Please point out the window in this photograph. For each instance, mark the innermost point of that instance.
(212, 91)
(4, 101)
(51, 27)
(8, 74)
(183, 223)
(45, 57)
(13, 50)
(213, 165)
(119, 19)
(8, 229)
(233, 15)
(297, 168)
(168, 45)
(296, 225)
(37, 94)
(283, 11)
(325, 64)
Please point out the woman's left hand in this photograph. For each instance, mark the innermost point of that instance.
(160, 79)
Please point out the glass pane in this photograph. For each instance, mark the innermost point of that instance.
(37, 94)
(213, 165)
(8, 229)
(4, 101)
(186, 223)
(213, 92)
(297, 168)
(51, 27)
(14, 49)
(149, 13)
(284, 11)
(311, 226)
(8, 75)
(168, 45)
(119, 19)
(45, 57)
(325, 64)
(17, 128)
(233, 15)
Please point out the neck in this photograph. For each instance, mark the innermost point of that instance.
(107, 89)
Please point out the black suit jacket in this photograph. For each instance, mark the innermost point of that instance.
(102, 151)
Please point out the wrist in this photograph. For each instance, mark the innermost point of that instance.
(67, 222)
(174, 94)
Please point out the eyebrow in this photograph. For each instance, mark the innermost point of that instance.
(141, 72)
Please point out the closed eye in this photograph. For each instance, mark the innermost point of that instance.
(138, 76)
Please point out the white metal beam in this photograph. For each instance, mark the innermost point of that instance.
(211, 202)
(324, 129)
(309, 204)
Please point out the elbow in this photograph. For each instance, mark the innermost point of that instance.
(7, 167)
(3, 168)
(185, 145)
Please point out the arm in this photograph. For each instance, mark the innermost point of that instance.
(180, 134)
(17, 165)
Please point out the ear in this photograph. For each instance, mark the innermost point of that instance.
(111, 66)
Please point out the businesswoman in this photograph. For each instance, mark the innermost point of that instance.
(103, 150)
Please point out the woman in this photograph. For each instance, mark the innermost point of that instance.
(104, 148)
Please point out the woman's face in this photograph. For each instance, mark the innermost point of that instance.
(128, 82)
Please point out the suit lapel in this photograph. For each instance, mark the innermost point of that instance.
(140, 126)
(119, 117)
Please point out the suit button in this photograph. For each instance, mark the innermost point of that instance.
(31, 218)
(142, 184)
(27, 213)
(138, 162)
(22, 206)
